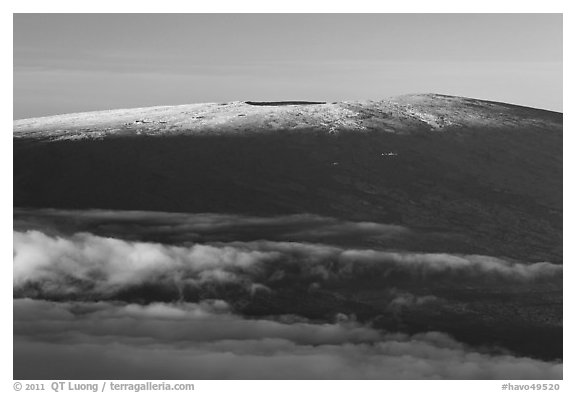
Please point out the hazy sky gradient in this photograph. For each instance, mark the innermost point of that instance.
(79, 62)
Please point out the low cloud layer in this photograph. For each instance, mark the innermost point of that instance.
(207, 321)
(178, 228)
(187, 228)
(126, 295)
(98, 268)
(205, 341)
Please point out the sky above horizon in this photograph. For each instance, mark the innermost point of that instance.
(67, 63)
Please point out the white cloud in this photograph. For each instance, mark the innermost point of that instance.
(99, 267)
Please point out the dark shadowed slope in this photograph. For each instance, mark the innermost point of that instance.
(489, 172)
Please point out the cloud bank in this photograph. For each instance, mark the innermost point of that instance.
(85, 265)
(102, 294)
(205, 341)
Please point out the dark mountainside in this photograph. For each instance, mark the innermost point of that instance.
(488, 174)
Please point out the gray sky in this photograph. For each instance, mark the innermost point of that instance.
(79, 62)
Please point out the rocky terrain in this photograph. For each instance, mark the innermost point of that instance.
(401, 115)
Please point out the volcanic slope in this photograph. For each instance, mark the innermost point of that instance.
(485, 176)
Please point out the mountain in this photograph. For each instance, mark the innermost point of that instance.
(426, 221)
(488, 174)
